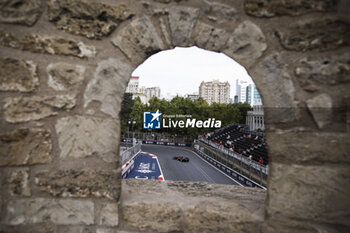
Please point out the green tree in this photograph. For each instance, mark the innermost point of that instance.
(125, 111)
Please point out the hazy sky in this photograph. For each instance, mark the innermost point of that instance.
(181, 70)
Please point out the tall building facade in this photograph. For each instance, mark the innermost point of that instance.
(246, 92)
(215, 91)
(133, 85)
(241, 88)
(252, 95)
(255, 118)
(152, 92)
(144, 93)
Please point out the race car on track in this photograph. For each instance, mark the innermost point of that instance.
(181, 158)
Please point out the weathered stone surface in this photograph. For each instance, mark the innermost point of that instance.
(246, 44)
(160, 217)
(268, 8)
(309, 193)
(192, 202)
(163, 28)
(21, 12)
(65, 76)
(22, 109)
(320, 107)
(80, 137)
(210, 216)
(25, 147)
(109, 214)
(219, 11)
(272, 78)
(317, 34)
(45, 44)
(289, 226)
(325, 70)
(108, 86)
(75, 229)
(27, 229)
(139, 40)
(163, 1)
(104, 230)
(91, 19)
(209, 37)
(18, 183)
(18, 75)
(182, 20)
(80, 183)
(289, 146)
(41, 210)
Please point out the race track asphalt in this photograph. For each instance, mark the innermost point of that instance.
(195, 170)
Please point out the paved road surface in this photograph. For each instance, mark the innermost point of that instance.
(195, 170)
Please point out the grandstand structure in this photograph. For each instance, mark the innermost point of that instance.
(238, 149)
(239, 139)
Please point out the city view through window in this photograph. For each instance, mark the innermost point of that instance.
(193, 115)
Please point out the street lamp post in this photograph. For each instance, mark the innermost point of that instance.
(132, 123)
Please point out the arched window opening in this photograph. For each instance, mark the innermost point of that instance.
(193, 115)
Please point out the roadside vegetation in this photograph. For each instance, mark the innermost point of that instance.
(132, 110)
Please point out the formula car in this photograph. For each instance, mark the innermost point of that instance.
(181, 158)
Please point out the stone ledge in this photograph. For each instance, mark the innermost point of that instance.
(190, 207)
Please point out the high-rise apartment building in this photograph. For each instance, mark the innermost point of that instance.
(215, 91)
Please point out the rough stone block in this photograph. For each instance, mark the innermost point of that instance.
(41, 210)
(80, 183)
(309, 193)
(324, 70)
(320, 107)
(93, 20)
(22, 109)
(210, 216)
(104, 230)
(321, 34)
(36, 228)
(312, 147)
(210, 38)
(108, 86)
(18, 75)
(182, 20)
(220, 11)
(20, 12)
(246, 44)
(109, 215)
(65, 76)
(288, 226)
(49, 45)
(80, 137)
(160, 217)
(25, 147)
(272, 78)
(76, 229)
(19, 183)
(268, 8)
(139, 40)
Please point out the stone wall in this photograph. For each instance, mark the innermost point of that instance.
(65, 64)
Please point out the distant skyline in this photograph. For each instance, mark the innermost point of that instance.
(181, 70)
